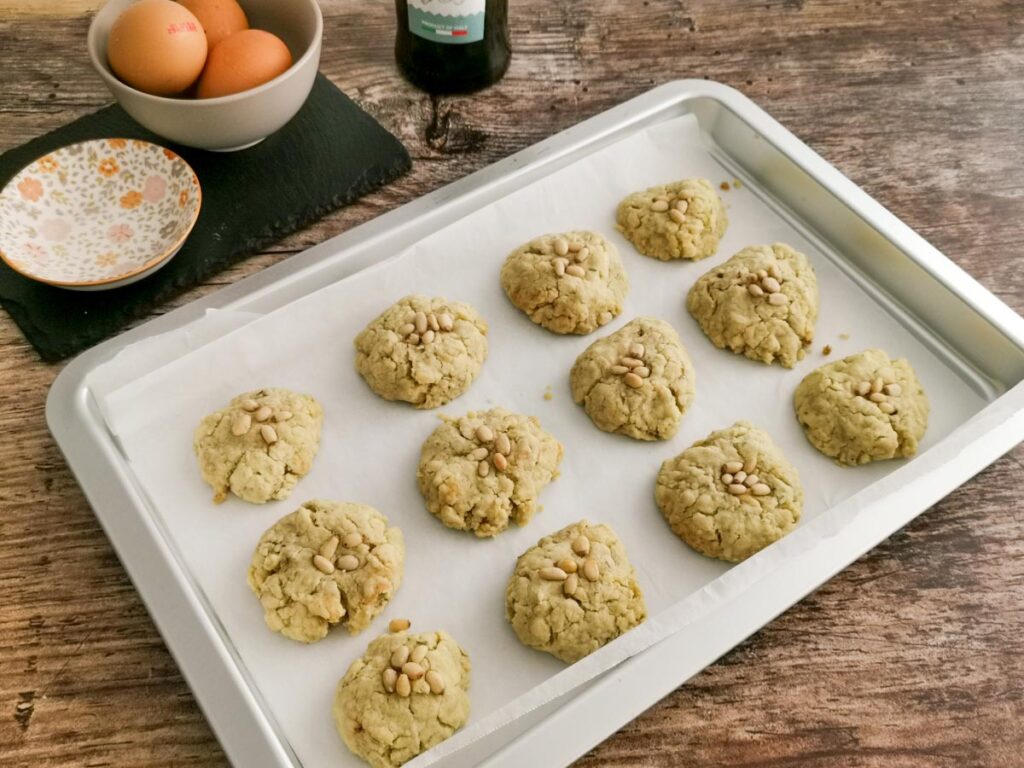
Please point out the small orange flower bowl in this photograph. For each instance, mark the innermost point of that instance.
(99, 214)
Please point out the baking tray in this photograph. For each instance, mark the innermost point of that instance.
(945, 309)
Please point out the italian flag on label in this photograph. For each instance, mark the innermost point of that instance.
(447, 21)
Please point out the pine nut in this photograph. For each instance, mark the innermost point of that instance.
(571, 584)
(771, 285)
(632, 380)
(419, 653)
(677, 216)
(403, 687)
(412, 670)
(353, 539)
(413, 338)
(636, 349)
(643, 371)
(761, 274)
(433, 323)
(263, 413)
(575, 270)
(581, 545)
(774, 271)
(484, 433)
(399, 625)
(887, 407)
(727, 479)
(590, 569)
(399, 656)
(445, 321)
(750, 463)
(681, 205)
(604, 318)
(348, 562)
(863, 388)
(500, 462)
(329, 547)
(760, 489)
(250, 405)
(739, 477)
(755, 290)
(323, 564)
(582, 255)
(483, 469)
(751, 481)
(552, 573)
(733, 466)
(877, 384)
(567, 564)
(389, 677)
(659, 206)
(561, 246)
(435, 681)
(560, 265)
(420, 322)
(737, 489)
(575, 247)
(479, 454)
(427, 337)
(778, 299)
(631, 362)
(269, 434)
(241, 424)
(876, 397)
(282, 416)
(502, 444)
(406, 329)
(893, 390)
(618, 370)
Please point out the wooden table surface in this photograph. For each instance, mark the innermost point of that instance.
(913, 656)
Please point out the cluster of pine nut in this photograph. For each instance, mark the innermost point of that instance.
(410, 672)
(570, 257)
(253, 411)
(740, 479)
(877, 391)
(423, 327)
(631, 367)
(767, 282)
(495, 450)
(675, 208)
(327, 559)
(567, 570)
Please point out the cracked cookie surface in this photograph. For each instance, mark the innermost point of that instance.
(681, 220)
(260, 445)
(637, 382)
(326, 563)
(572, 282)
(574, 592)
(424, 351)
(388, 727)
(761, 303)
(731, 494)
(482, 471)
(865, 407)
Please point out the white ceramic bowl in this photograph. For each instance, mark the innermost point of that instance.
(230, 122)
(99, 214)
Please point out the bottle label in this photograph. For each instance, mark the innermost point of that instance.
(447, 21)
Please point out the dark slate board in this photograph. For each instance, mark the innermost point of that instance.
(330, 154)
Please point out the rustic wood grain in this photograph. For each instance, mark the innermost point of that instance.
(913, 656)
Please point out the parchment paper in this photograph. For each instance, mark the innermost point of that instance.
(370, 447)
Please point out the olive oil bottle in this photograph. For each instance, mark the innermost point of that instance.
(452, 46)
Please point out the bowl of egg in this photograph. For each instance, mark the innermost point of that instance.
(220, 75)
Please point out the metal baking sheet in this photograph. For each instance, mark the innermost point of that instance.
(928, 295)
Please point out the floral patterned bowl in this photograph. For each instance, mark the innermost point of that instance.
(99, 214)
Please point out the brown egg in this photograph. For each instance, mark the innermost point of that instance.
(219, 18)
(157, 46)
(243, 61)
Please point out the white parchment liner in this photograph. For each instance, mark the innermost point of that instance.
(370, 448)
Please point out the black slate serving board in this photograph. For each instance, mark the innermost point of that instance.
(328, 155)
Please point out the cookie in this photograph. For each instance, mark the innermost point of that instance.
(863, 408)
(423, 351)
(681, 220)
(486, 469)
(637, 382)
(260, 445)
(326, 563)
(572, 282)
(761, 303)
(408, 693)
(731, 494)
(573, 592)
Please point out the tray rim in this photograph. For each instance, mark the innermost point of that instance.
(227, 701)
